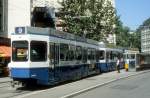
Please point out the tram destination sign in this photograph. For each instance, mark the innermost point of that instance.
(20, 30)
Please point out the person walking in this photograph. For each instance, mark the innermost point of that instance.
(118, 65)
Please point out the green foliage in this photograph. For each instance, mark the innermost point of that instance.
(136, 40)
(124, 36)
(91, 18)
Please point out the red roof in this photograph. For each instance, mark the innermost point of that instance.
(5, 51)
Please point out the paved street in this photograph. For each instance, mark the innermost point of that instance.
(100, 85)
(84, 85)
(133, 87)
(5, 79)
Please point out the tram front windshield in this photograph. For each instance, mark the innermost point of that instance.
(20, 51)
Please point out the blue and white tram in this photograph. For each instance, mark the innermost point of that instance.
(116, 53)
(47, 56)
(108, 58)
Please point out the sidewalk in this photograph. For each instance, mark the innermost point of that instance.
(5, 79)
(71, 89)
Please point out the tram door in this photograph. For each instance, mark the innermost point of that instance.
(54, 55)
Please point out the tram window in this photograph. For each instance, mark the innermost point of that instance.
(52, 53)
(89, 54)
(38, 51)
(78, 53)
(124, 56)
(101, 55)
(131, 56)
(71, 52)
(84, 55)
(93, 54)
(20, 51)
(115, 56)
(121, 55)
(97, 55)
(107, 55)
(63, 52)
(111, 55)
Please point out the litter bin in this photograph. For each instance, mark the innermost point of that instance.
(126, 67)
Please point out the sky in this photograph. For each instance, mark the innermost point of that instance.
(133, 12)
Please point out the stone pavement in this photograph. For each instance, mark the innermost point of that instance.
(81, 86)
(5, 79)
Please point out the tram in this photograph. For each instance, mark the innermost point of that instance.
(108, 58)
(47, 56)
(135, 61)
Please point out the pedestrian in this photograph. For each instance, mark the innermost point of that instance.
(118, 65)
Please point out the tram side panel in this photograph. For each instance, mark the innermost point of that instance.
(71, 61)
(102, 64)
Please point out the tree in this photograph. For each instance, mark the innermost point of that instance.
(124, 36)
(93, 18)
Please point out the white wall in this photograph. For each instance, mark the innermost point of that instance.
(49, 3)
(18, 14)
(2, 19)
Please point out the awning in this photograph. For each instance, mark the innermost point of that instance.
(5, 51)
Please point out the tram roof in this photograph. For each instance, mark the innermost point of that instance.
(54, 33)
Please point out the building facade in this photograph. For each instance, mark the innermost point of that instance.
(3, 18)
(14, 13)
(17, 13)
(145, 40)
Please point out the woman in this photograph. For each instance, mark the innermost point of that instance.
(118, 65)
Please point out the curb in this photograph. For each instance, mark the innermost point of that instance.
(102, 84)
